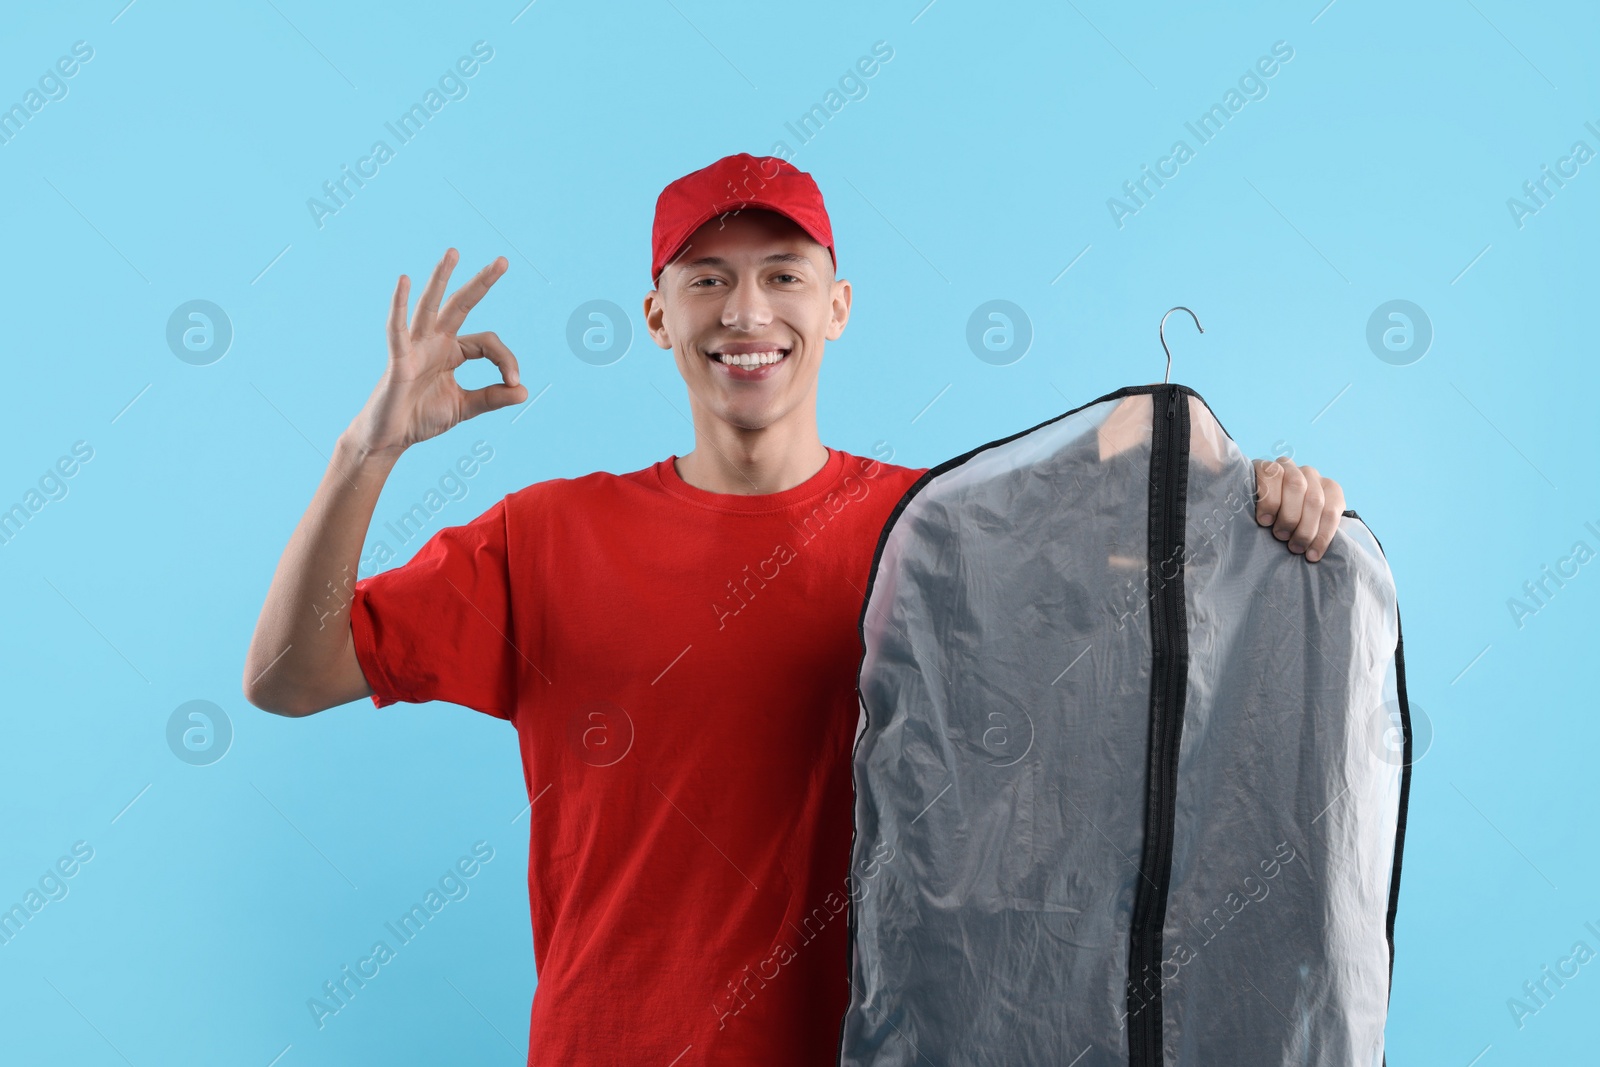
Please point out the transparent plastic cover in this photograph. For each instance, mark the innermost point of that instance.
(1003, 765)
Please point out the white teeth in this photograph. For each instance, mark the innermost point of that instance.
(750, 359)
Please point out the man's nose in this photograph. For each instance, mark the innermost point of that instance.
(747, 308)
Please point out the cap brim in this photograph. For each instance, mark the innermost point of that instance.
(734, 207)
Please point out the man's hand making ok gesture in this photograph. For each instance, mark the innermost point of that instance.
(418, 396)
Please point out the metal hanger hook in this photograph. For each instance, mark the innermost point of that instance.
(1162, 333)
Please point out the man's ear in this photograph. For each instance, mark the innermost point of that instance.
(655, 319)
(840, 309)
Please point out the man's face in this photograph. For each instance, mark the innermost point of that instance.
(753, 285)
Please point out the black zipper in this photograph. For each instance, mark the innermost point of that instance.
(1169, 638)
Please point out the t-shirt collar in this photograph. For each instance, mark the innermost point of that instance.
(816, 485)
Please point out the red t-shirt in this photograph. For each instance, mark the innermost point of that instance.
(680, 667)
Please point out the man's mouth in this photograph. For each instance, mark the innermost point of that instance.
(748, 357)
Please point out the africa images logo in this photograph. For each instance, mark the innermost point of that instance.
(451, 85)
(1252, 85)
(742, 589)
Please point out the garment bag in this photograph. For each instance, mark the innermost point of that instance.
(1130, 776)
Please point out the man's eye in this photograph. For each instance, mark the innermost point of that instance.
(699, 280)
(789, 277)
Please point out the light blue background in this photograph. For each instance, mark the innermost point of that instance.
(976, 167)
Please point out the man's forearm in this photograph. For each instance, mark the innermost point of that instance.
(302, 656)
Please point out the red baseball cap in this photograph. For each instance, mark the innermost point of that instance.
(728, 185)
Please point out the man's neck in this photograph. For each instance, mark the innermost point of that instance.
(745, 463)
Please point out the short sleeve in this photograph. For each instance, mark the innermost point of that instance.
(439, 627)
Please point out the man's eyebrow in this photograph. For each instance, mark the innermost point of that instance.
(718, 261)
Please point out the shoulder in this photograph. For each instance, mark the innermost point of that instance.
(583, 490)
(881, 471)
(595, 483)
(888, 477)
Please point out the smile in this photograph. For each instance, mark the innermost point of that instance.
(749, 366)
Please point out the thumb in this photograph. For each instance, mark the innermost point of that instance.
(1269, 490)
(493, 397)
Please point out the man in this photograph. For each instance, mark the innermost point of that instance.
(676, 647)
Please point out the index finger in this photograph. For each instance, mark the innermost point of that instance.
(464, 299)
(489, 346)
